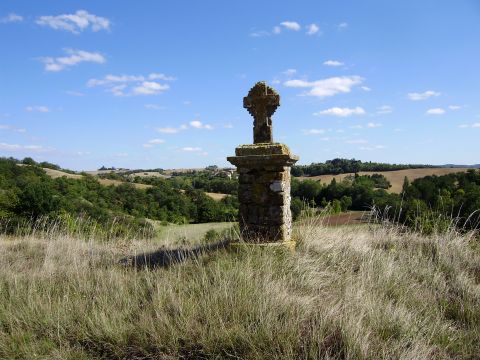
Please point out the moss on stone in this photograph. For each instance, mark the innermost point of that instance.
(262, 149)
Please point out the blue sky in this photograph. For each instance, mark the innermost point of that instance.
(147, 84)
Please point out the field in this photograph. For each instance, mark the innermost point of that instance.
(395, 177)
(350, 292)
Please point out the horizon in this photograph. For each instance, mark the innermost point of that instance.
(161, 85)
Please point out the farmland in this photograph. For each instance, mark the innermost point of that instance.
(396, 177)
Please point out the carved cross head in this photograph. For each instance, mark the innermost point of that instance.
(261, 102)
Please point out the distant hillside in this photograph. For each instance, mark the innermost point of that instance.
(396, 178)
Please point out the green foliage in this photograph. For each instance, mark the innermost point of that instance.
(27, 193)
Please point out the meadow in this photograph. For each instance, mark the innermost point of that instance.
(395, 177)
(348, 292)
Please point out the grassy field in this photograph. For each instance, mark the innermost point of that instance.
(395, 177)
(366, 292)
(188, 234)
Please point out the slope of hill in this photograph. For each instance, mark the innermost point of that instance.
(57, 173)
(345, 293)
(395, 177)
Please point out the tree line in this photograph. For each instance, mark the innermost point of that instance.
(344, 166)
(27, 192)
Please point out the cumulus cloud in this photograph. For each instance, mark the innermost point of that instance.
(357, 141)
(342, 25)
(423, 96)
(290, 72)
(168, 130)
(372, 125)
(124, 85)
(455, 107)
(435, 111)
(474, 125)
(42, 109)
(199, 125)
(74, 57)
(314, 131)
(12, 128)
(341, 112)
(371, 148)
(312, 29)
(154, 107)
(152, 143)
(326, 87)
(75, 23)
(191, 149)
(291, 25)
(333, 63)
(150, 88)
(365, 88)
(11, 18)
(24, 148)
(285, 25)
(385, 109)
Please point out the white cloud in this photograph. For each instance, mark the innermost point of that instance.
(75, 23)
(385, 109)
(262, 33)
(154, 107)
(474, 125)
(423, 96)
(199, 125)
(150, 88)
(290, 72)
(312, 29)
(24, 148)
(365, 88)
(291, 25)
(74, 93)
(228, 126)
(371, 148)
(357, 141)
(333, 63)
(168, 130)
(125, 85)
(342, 25)
(152, 143)
(372, 125)
(191, 149)
(455, 107)
(277, 30)
(12, 128)
(314, 131)
(327, 87)
(75, 57)
(11, 18)
(341, 112)
(42, 109)
(435, 111)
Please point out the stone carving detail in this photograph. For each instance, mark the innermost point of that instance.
(261, 102)
(264, 174)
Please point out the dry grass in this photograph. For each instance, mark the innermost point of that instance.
(347, 293)
(395, 177)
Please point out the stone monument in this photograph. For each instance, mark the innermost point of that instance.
(264, 173)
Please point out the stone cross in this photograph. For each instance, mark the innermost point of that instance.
(261, 102)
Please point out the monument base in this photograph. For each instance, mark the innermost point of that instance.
(264, 191)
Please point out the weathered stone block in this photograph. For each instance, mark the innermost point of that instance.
(264, 174)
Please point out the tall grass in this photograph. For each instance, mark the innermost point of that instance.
(363, 292)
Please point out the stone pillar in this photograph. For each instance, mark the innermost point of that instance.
(264, 176)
